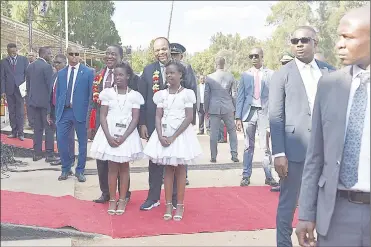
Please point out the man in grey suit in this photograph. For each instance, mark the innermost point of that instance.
(335, 193)
(291, 96)
(200, 102)
(220, 95)
(38, 77)
(252, 113)
(13, 73)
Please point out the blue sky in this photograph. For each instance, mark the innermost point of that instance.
(193, 23)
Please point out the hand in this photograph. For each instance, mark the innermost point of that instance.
(305, 233)
(239, 125)
(170, 139)
(3, 95)
(144, 132)
(207, 115)
(48, 119)
(91, 134)
(121, 140)
(281, 166)
(113, 142)
(163, 141)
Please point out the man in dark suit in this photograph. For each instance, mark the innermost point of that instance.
(59, 63)
(335, 192)
(38, 77)
(114, 55)
(200, 102)
(291, 96)
(13, 73)
(74, 91)
(147, 88)
(177, 50)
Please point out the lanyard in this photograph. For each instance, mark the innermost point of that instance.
(118, 100)
(168, 93)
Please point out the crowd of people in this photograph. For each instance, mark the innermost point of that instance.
(312, 122)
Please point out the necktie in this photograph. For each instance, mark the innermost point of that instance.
(14, 62)
(69, 88)
(163, 75)
(108, 82)
(353, 137)
(55, 92)
(256, 84)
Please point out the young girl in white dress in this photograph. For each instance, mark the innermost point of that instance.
(117, 139)
(175, 144)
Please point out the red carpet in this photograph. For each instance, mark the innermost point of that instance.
(206, 210)
(27, 143)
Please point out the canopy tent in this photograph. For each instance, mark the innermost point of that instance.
(17, 32)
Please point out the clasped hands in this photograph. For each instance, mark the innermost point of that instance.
(166, 141)
(116, 141)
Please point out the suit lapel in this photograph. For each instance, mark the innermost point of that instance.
(298, 80)
(342, 92)
(80, 73)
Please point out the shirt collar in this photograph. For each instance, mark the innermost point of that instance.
(301, 65)
(42, 59)
(357, 70)
(76, 66)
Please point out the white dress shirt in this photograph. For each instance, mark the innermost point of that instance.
(74, 77)
(202, 92)
(106, 76)
(363, 183)
(310, 74)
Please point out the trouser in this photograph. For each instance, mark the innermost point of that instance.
(102, 167)
(256, 120)
(16, 111)
(40, 124)
(228, 119)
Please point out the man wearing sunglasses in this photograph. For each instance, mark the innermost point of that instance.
(252, 114)
(291, 97)
(74, 91)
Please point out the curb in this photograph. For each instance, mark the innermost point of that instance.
(10, 232)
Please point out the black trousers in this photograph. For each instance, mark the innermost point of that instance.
(155, 178)
(40, 124)
(102, 167)
(16, 111)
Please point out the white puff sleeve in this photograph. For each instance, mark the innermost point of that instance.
(106, 95)
(158, 99)
(189, 99)
(136, 99)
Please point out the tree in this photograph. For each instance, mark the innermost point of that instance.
(89, 22)
(6, 8)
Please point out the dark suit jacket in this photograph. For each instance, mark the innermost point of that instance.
(11, 79)
(289, 111)
(133, 84)
(191, 83)
(82, 92)
(52, 107)
(38, 77)
(148, 110)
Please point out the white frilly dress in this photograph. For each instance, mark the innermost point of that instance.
(186, 147)
(119, 107)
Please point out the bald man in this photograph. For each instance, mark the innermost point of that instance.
(220, 104)
(335, 192)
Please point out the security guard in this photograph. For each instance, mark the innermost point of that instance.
(177, 51)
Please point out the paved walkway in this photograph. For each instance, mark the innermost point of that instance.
(45, 182)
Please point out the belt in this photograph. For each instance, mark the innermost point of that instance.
(355, 196)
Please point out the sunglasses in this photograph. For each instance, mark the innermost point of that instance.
(251, 56)
(72, 54)
(304, 40)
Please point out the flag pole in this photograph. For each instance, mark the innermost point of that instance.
(66, 21)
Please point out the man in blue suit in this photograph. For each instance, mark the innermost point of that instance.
(74, 89)
(252, 114)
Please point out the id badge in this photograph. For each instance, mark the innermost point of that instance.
(165, 128)
(120, 128)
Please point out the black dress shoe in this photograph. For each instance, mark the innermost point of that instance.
(52, 158)
(80, 177)
(276, 189)
(21, 138)
(12, 136)
(56, 163)
(37, 157)
(235, 159)
(63, 176)
(213, 160)
(102, 199)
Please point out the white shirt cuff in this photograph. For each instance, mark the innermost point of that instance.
(279, 155)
